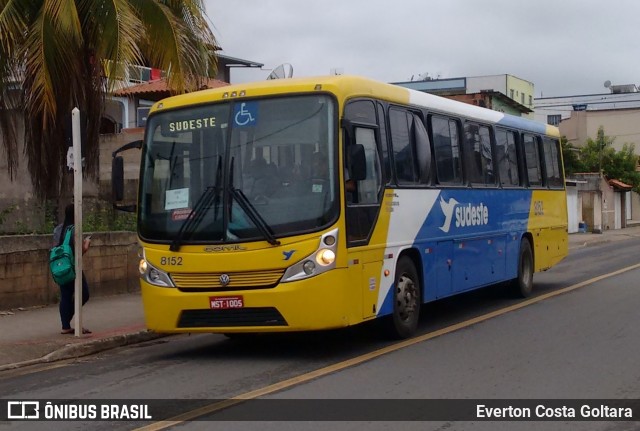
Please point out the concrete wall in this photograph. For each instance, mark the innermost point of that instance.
(22, 212)
(618, 123)
(598, 202)
(635, 205)
(110, 265)
(18, 209)
(524, 91)
(574, 209)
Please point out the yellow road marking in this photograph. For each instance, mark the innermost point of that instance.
(294, 381)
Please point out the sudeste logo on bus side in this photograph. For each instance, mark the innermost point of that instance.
(466, 215)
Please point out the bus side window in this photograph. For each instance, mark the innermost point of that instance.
(532, 160)
(384, 144)
(411, 149)
(368, 188)
(446, 145)
(423, 149)
(553, 163)
(507, 158)
(403, 152)
(478, 154)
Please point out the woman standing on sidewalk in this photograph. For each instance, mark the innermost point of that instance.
(67, 291)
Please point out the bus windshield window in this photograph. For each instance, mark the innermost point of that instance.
(277, 153)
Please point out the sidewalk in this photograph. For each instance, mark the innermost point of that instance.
(32, 336)
(579, 240)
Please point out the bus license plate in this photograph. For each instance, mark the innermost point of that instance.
(226, 302)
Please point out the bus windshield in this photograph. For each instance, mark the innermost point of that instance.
(240, 170)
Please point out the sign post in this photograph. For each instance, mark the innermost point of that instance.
(77, 216)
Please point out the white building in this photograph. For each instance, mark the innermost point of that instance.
(580, 116)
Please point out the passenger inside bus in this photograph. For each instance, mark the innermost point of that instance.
(264, 176)
(319, 167)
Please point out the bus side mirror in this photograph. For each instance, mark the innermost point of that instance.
(357, 163)
(117, 176)
(117, 179)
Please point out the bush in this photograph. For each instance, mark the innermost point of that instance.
(97, 216)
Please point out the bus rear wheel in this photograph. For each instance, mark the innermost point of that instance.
(406, 300)
(522, 285)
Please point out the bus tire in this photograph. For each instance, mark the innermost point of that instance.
(406, 300)
(522, 285)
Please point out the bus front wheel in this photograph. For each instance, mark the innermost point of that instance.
(523, 285)
(406, 300)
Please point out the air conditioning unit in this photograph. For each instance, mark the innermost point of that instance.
(142, 114)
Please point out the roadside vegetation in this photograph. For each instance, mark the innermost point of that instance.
(598, 155)
(95, 218)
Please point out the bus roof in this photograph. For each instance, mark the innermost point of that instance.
(348, 86)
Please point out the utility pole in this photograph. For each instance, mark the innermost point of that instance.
(77, 200)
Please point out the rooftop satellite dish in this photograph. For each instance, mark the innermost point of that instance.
(283, 71)
(607, 84)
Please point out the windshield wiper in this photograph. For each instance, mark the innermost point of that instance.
(251, 211)
(195, 217)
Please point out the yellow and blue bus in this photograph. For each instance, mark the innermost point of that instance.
(317, 203)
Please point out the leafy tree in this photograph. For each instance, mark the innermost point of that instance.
(622, 166)
(596, 154)
(599, 156)
(570, 157)
(59, 54)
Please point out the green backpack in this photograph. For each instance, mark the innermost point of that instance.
(62, 262)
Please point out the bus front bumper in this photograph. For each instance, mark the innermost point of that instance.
(322, 302)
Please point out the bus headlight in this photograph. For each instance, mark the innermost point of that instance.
(153, 275)
(321, 260)
(308, 267)
(142, 266)
(325, 257)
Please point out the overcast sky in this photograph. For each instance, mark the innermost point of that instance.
(565, 47)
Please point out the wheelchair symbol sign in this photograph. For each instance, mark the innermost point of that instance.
(245, 114)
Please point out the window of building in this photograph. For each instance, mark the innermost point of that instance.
(554, 120)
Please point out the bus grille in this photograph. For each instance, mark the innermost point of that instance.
(257, 316)
(237, 280)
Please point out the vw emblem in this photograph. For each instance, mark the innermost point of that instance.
(224, 280)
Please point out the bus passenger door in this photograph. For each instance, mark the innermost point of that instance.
(363, 191)
(444, 268)
(365, 268)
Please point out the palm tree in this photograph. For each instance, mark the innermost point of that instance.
(58, 54)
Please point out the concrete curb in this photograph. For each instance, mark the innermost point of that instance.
(89, 348)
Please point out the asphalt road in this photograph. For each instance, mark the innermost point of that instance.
(576, 344)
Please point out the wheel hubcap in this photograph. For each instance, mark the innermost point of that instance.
(526, 271)
(406, 297)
